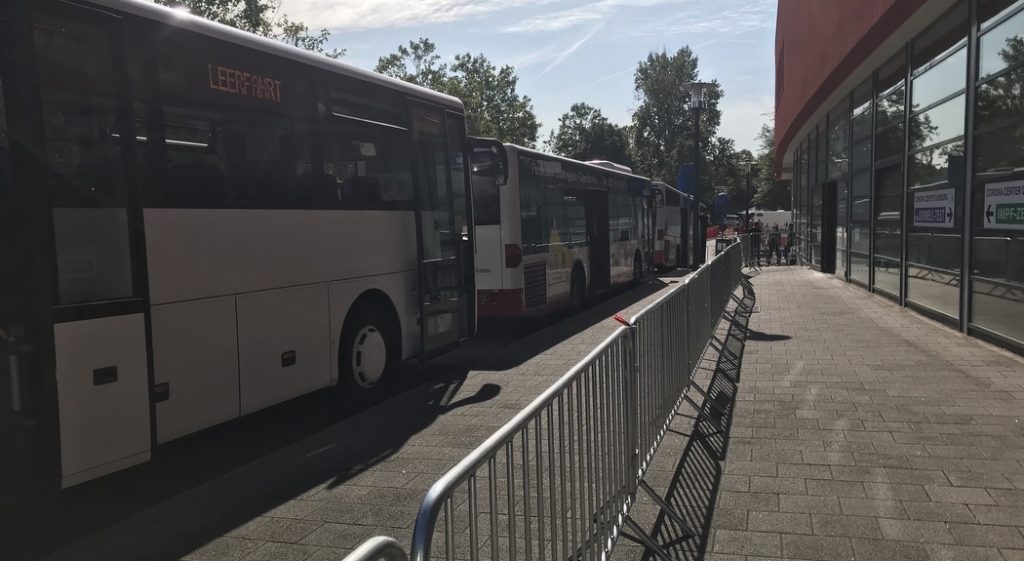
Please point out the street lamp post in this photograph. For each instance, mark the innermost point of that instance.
(698, 94)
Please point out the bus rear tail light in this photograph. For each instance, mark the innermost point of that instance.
(513, 255)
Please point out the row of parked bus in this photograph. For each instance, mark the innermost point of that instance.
(198, 223)
(551, 232)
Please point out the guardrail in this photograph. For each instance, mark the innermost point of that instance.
(379, 548)
(558, 480)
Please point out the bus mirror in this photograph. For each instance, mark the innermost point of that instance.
(489, 160)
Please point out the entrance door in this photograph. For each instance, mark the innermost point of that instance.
(597, 235)
(99, 327)
(440, 241)
(828, 228)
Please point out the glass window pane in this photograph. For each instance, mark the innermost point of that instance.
(890, 107)
(937, 124)
(943, 79)
(887, 275)
(888, 208)
(859, 267)
(998, 288)
(1002, 46)
(1000, 151)
(938, 166)
(93, 254)
(1001, 101)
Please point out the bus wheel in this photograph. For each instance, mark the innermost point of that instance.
(366, 357)
(577, 290)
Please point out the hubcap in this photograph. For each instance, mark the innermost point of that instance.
(369, 357)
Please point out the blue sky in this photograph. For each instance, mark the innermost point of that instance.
(566, 50)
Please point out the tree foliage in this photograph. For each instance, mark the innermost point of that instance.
(585, 134)
(725, 169)
(663, 123)
(259, 17)
(772, 193)
(494, 107)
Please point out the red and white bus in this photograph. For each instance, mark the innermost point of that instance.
(669, 251)
(551, 231)
(198, 223)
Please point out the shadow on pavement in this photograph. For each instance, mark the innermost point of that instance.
(203, 486)
(693, 486)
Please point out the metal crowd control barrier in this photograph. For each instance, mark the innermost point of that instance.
(557, 481)
(380, 548)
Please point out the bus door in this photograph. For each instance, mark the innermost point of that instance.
(99, 320)
(441, 286)
(28, 464)
(598, 237)
(462, 201)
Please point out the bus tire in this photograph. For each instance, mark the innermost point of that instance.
(577, 289)
(368, 353)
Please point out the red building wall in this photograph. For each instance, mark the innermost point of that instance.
(818, 43)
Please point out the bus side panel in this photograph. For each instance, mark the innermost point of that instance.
(490, 257)
(195, 352)
(511, 220)
(201, 253)
(400, 288)
(284, 346)
(103, 393)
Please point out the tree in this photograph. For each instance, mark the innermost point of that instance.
(255, 16)
(772, 193)
(725, 170)
(418, 63)
(493, 106)
(585, 134)
(297, 34)
(663, 124)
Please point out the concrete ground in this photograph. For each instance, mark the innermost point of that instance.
(854, 429)
(315, 496)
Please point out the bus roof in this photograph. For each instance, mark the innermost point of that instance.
(572, 161)
(187, 21)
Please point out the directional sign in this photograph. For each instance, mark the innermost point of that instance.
(1004, 205)
(934, 209)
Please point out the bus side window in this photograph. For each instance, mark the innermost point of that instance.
(84, 172)
(367, 166)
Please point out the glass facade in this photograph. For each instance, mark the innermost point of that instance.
(936, 164)
(927, 150)
(997, 185)
(837, 188)
(860, 183)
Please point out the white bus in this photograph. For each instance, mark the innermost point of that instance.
(551, 231)
(669, 251)
(199, 223)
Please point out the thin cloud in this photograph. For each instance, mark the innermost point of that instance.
(575, 46)
(579, 15)
(354, 15)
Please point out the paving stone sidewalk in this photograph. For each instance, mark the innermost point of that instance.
(321, 497)
(859, 431)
